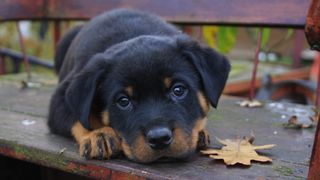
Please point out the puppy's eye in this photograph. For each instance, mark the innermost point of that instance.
(124, 103)
(178, 91)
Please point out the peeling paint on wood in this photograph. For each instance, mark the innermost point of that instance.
(53, 160)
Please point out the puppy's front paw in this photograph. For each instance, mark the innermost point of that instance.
(100, 144)
(203, 140)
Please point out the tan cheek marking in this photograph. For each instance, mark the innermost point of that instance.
(142, 151)
(105, 118)
(180, 143)
(126, 149)
(78, 131)
(129, 90)
(204, 103)
(167, 82)
(199, 126)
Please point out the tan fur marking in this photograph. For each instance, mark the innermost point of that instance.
(129, 91)
(142, 150)
(204, 103)
(78, 131)
(204, 140)
(83, 136)
(180, 143)
(199, 126)
(167, 82)
(126, 149)
(105, 118)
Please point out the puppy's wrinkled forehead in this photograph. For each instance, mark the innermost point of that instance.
(150, 62)
(155, 73)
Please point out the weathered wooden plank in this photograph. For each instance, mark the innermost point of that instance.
(34, 143)
(243, 12)
(22, 9)
(33, 101)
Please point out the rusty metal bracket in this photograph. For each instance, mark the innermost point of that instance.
(255, 66)
(23, 50)
(312, 30)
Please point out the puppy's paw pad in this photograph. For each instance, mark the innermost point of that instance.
(203, 140)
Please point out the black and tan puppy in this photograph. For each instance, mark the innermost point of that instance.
(131, 83)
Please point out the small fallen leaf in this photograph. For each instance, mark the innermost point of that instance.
(293, 124)
(250, 103)
(28, 122)
(26, 84)
(62, 151)
(315, 118)
(238, 151)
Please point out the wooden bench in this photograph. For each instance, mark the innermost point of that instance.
(24, 135)
(23, 131)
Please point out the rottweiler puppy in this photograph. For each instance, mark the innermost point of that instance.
(130, 82)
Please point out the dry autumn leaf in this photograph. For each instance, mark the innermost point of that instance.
(250, 103)
(315, 118)
(293, 123)
(238, 151)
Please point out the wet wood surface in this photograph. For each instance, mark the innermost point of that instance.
(24, 135)
(245, 12)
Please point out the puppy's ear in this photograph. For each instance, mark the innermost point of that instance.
(81, 90)
(212, 67)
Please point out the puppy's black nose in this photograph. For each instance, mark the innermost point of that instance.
(159, 137)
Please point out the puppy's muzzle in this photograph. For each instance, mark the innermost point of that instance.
(159, 137)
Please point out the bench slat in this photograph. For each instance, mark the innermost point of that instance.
(34, 142)
(236, 12)
(22, 9)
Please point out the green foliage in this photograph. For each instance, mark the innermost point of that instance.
(209, 35)
(42, 48)
(226, 38)
(265, 36)
(8, 36)
(289, 34)
(221, 38)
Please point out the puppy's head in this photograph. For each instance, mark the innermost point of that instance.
(154, 91)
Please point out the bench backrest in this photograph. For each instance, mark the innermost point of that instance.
(288, 13)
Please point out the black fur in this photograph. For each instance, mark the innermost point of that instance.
(128, 48)
(63, 46)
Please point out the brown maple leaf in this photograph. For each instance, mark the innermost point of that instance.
(238, 151)
(250, 103)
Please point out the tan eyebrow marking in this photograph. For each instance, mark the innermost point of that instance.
(129, 90)
(167, 82)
